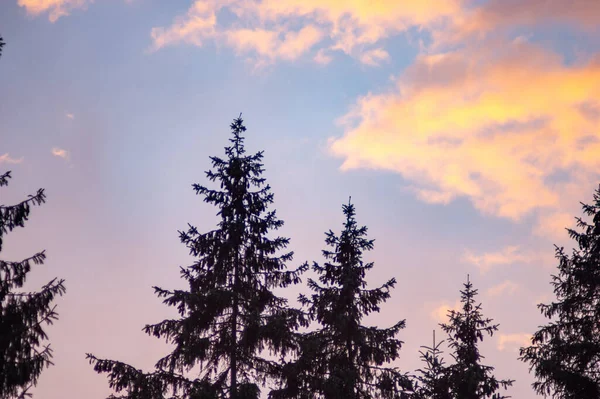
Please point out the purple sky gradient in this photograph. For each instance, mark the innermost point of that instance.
(465, 132)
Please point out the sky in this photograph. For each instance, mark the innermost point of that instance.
(466, 132)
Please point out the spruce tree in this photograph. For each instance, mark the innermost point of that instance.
(229, 315)
(1, 45)
(23, 315)
(343, 359)
(565, 353)
(468, 378)
(432, 381)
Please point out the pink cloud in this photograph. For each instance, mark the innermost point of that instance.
(60, 153)
(54, 8)
(6, 158)
(506, 287)
(514, 341)
(354, 27)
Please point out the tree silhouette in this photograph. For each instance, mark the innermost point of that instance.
(343, 358)
(432, 381)
(23, 314)
(468, 378)
(1, 45)
(565, 353)
(229, 314)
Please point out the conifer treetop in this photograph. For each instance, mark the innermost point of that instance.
(565, 352)
(432, 381)
(469, 379)
(229, 316)
(343, 358)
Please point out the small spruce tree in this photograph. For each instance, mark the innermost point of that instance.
(565, 353)
(468, 378)
(343, 359)
(230, 314)
(23, 315)
(432, 381)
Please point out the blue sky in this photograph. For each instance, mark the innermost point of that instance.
(456, 127)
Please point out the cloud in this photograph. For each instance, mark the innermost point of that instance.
(494, 15)
(374, 57)
(70, 116)
(268, 28)
(433, 196)
(322, 57)
(5, 158)
(440, 311)
(495, 124)
(543, 298)
(59, 152)
(54, 8)
(271, 45)
(507, 256)
(515, 341)
(505, 288)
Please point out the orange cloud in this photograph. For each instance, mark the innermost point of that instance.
(198, 24)
(54, 8)
(352, 27)
(59, 152)
(5, 158)
(440, 312)
(270, 45)
(505, 14)
(515, 341)
(374, 57)
(493, 123)
(509, 255)
(505, 288)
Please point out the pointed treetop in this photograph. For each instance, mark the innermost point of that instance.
(237, 129)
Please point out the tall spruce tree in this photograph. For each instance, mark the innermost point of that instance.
(23, 315)
(343, 359)
(565, 353)
(229, 315)
(432, 381)
(468, 378)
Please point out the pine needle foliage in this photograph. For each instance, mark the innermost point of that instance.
(229, 316)
(344, 358)
(432, 381)
(468, 378)
(23, 315)
(565, 352)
